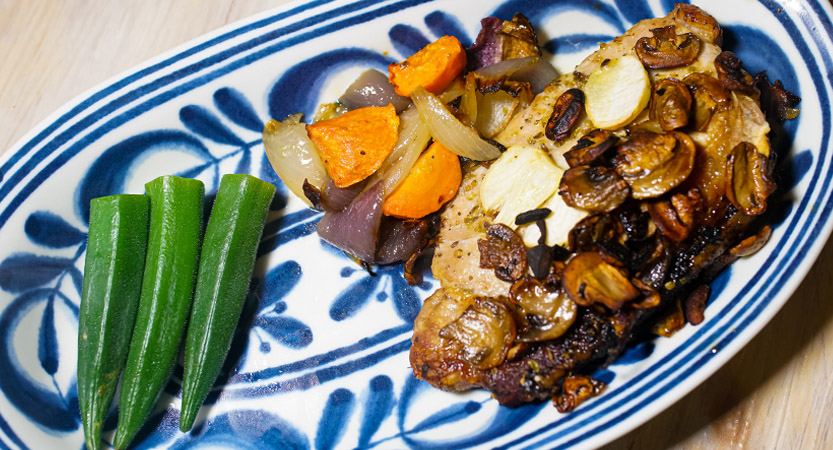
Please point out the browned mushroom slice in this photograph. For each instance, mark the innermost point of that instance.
(666, 49)
(709, 97)
(670, 320)
(654, 163)
(504, 251)
(593, 229)
(575, 390)
(589, 147)
(548, 313)
(675, 217)
(748, 182)
(483, 333)
(671, 104)
(588, 279)
(752, 244)
(698, 20)
(778, 103)
(695, 304)
(596, 189)
(732, 75)
(565, 114)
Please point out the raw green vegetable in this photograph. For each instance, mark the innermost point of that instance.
(226, 265)
(113, 267)
(167, 287)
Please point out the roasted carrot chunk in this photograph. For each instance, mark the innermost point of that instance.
(354, 144)
(431, 183)
(434, 67)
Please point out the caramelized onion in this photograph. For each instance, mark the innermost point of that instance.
(449, 131)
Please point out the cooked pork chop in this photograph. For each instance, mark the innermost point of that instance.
(690, 232)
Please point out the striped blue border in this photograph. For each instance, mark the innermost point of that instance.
(809, 232)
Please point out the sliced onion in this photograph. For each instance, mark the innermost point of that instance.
(413, 138)
(293, 155)
(372, 88)
(538, 75)
(506, 67)
(335, 199)
(449, 131)
(494, 110)
(468, 100)
(356, 228)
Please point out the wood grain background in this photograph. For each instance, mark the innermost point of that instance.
(777, 393)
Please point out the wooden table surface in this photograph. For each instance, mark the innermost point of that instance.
(776, 393)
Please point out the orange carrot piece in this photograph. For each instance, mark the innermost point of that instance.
(434, 67)
(431, 183)
(354, 144)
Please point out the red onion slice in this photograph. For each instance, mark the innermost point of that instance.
(372, 88)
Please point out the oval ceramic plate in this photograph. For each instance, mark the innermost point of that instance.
(321, 357)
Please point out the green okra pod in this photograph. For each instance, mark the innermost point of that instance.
(225, 270)
(176, 206)
(113, 266)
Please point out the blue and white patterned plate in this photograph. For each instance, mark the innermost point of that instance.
(320, 360)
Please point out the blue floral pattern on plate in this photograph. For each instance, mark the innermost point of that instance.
(320, 359)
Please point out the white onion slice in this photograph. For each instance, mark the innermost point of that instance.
(413, 138)
(506, 67)
(450, 132)
(538, 75)
(293, 155)
(494, 111)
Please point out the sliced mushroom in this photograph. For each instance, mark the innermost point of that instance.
(671, 320)
(778, 103)
(709, 97)
(695, 304)
(653, 164)
(675, 217)
(565, 113)
(483, 334)
(548, 313)
(667, 49)
(698, 20)
(588, 279)
(752, 244)
(671, 104)
(591, 230)
(575, 390)
(590, 147)
(748, 179)
(732, 75)
(504, 251)
(596, 189)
